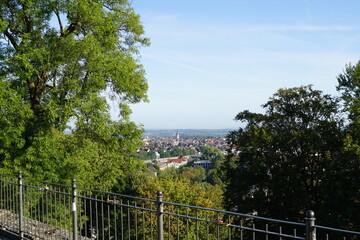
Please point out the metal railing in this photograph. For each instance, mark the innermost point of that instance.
(31, 209)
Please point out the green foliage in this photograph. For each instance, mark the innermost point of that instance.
(14, 115)
(176, 152)
(188, 151)
(279, 163)
(348, 169)
(195, 174)
(60, 62)
(143, 155)
(164, 154)
(180, 189)
(349, 82)
(215, 174)
(211, 153)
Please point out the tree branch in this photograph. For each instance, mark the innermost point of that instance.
(59, 21)
(11, 38)
(27, 18)
(72, 27)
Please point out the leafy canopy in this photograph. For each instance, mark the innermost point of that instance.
(279, 162)
(60, 61)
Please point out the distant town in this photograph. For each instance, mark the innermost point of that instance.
(174, 148)
(185, 133)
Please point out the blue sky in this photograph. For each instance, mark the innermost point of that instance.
(209, 60)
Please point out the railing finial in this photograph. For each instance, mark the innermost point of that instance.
(310, 214)
(310, 225)
(159, 193)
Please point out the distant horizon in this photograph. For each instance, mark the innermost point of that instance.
(187, 132)
(190, 128)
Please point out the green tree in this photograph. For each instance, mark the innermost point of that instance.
(60, 61)
(348, 169)
(164, 154)
(215, 174)
(189, 151)
(181, 189)
(176, 152)
(211, 153)
(278, 163)
(196, 174)
(349, 87)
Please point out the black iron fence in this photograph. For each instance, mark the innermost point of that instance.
(31, 209)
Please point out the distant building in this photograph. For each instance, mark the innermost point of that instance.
(203, 163)
(177, 162)
(171, 162)
(174, 160)
(162, 165)
(152, 170)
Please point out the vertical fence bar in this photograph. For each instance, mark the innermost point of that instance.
(102, 218)
(74, 216)
(178, 224)
(97, 215)
(217, 226)
(197, 225)
(187, 223)
(85, 224)
(136, 221)
(109, 218)
(122, 219)
(115, 221)
(143, 220)
(207, 226)
(241, 229)
(229, 227)
(92, 228)
(160, 217)
(169, 225)
(151, 223)
(267, 231)
(20, 202)
(310, 225)
(128, 219)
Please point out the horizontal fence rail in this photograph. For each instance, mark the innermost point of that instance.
(31, 209)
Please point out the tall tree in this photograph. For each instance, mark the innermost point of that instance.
(349, 87)
(348, 169)
(278, 162)
(60, 61)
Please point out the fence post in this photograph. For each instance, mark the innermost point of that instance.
(20, 202)
(310, 225)
(74, 215)
(160, 217)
